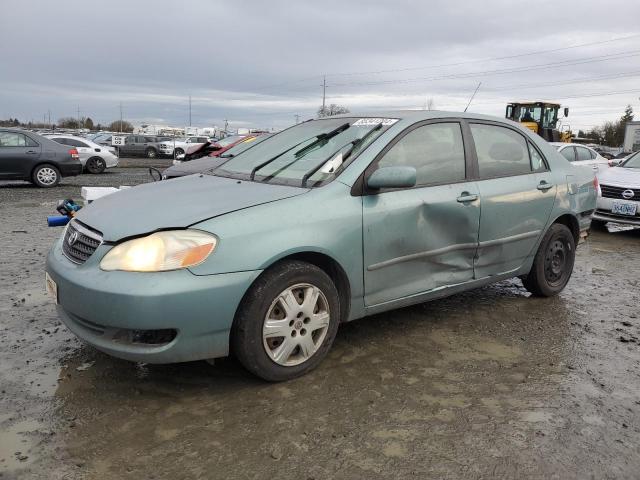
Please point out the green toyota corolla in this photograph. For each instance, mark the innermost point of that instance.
(325, 222)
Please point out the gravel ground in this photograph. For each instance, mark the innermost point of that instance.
(485, 384)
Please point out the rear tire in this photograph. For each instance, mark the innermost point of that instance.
(151, 153)
(177, 151)
(45, 176)
(287, 321)
(95, 165)
(553, 263)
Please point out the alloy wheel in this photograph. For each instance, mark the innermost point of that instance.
(47, 176)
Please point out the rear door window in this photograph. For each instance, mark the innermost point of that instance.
(500, 150)
(568, 153)
(583, 153)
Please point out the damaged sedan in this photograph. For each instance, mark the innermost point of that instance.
(326, 222)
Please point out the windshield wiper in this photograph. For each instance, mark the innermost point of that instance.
(354, 144)
(317, 139)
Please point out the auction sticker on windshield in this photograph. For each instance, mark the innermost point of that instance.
(52, 287)
(370, 122)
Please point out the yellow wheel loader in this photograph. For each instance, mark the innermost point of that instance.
(542, 118)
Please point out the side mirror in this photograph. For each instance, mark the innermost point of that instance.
(566, 111)
(392, 177)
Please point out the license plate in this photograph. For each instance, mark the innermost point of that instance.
(623, 208)
(52, 287)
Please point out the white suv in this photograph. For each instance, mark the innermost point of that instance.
(179, 146)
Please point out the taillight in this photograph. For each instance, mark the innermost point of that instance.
(74, 153)
(596, 185)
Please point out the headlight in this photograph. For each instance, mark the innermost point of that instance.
(161, 251)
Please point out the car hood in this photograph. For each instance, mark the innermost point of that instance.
(176, 203)
(621, 177)
(198, 165)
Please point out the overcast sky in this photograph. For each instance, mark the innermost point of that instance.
(258, 63)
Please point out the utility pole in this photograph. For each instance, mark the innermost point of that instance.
(226, 125)
(297, 118)
(189, 110)
(49, 113)
(79, 116)
(324, 91)
(120, 129)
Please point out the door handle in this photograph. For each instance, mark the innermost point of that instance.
(467, 197)
(30, 152)
(544, 186)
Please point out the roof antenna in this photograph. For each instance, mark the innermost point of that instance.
(474, 94)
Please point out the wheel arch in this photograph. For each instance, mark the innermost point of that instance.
(328, 265)
(571, 222)
(43, 163)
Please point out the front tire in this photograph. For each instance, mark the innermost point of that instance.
(287, 321)
(177, 151)
(95, 165)
(45, 176)
(151, 153)
(553, 263)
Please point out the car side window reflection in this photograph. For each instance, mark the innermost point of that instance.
(436, 151)
(501, 151)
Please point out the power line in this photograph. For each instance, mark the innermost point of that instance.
(541, 66)
(455, 64)
(490, 59)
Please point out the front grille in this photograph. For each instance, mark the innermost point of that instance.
(610, 191)
(80, 242)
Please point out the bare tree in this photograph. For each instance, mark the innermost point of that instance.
(331, 110)
(116, 126)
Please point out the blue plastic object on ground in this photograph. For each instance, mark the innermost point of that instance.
(57, 220)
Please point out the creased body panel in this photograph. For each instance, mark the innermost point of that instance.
(418, 239)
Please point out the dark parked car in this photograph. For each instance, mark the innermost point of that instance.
(141, 145)
(32, 157)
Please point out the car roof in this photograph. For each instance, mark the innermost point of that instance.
(417, 115)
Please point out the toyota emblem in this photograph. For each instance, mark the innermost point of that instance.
(628, 194)
(73, 238)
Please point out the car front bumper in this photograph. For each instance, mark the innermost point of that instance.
(603, 212)
(163, 317)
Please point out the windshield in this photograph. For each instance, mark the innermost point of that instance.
(244, 145)
(308, 153)
(528, 113)
(632, 162)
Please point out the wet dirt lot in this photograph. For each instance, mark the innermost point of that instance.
(485, 384)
